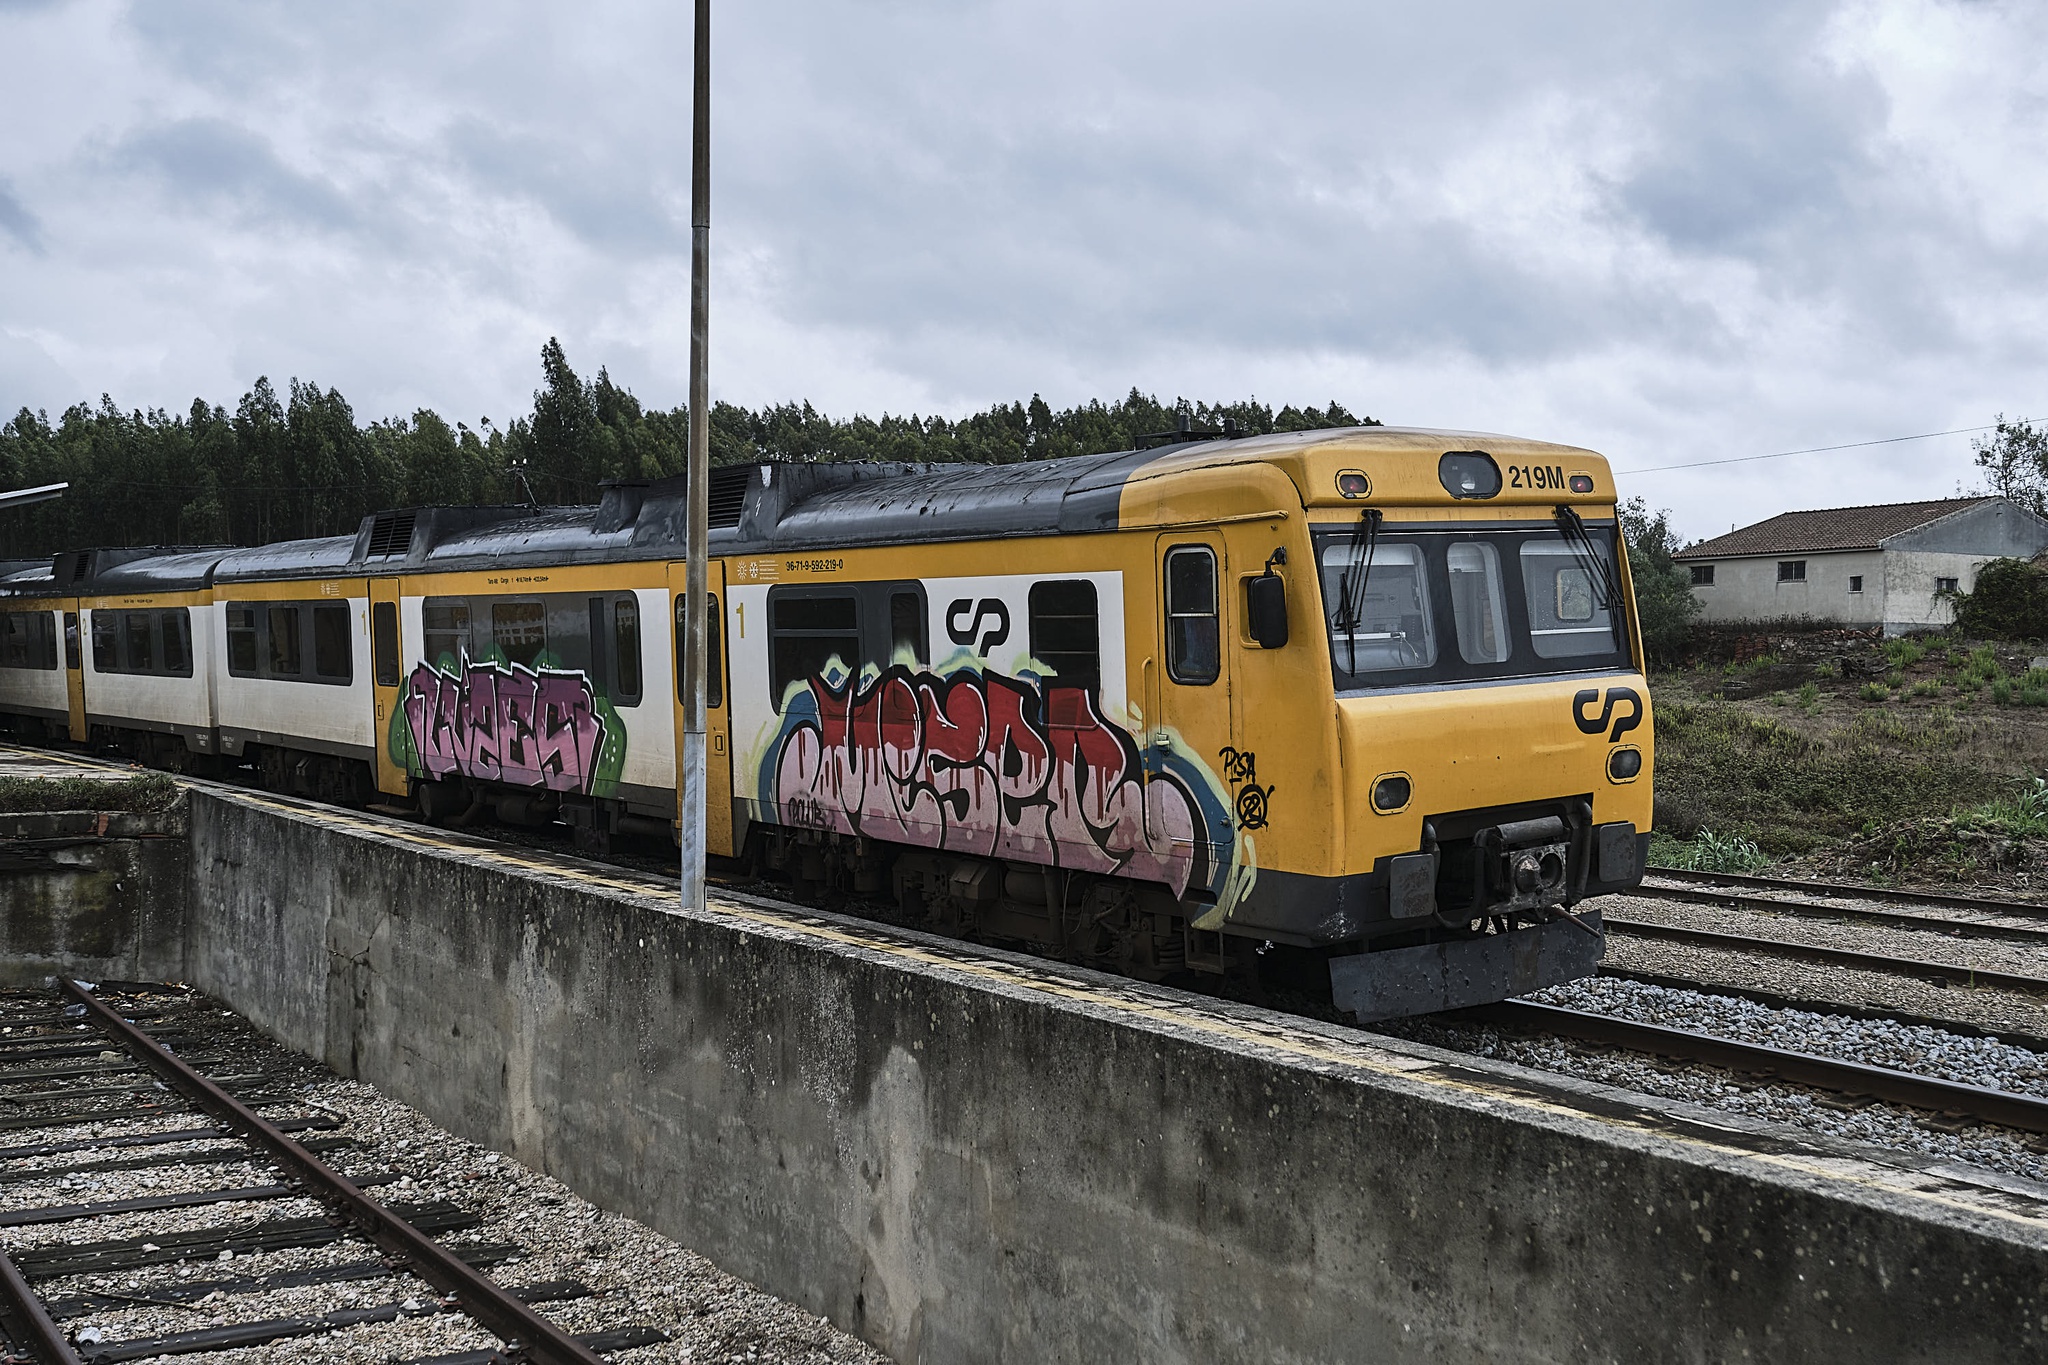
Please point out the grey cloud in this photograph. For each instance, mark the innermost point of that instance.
(210, 162)
(16, 221)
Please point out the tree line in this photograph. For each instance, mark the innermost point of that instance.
(280, 466)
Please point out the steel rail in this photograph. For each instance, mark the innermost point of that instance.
(1890, 919)
(1778, 1000)
(481, 1297)
(47, 1339)
(2008, 1108)
(1837, 957)
(1888, 895)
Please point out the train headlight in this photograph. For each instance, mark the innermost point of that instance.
(1468, 474)
(1391, 793)
(1624, 765)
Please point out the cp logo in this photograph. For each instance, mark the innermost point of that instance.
(1617, 697)
(987, 608)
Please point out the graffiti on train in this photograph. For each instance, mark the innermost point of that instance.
(1003, 767)
(499, 722)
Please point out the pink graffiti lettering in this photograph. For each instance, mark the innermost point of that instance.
(989, 765)
(506, 723)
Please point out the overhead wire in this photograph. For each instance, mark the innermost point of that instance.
(1821, 450)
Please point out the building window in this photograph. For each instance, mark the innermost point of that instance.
(1855, 582)
(1703, 575)
(1946, 585)
(1791, 571)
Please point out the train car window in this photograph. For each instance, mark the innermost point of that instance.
(1378, 606)
(332, 655)
(1065, 635)
(807, 632)
(384, 642)
(907, 628)
(626, 648)
(244, 660)
(139, 627)
(71, 660)
(105, 652)
(16, 629)
(177, 629)
(520, 630)
(1566, 617)
(1194, 641)
(714, 659)
(445, 621)
(286, 654)
(1478, 605)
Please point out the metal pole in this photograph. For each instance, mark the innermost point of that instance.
(690, 773)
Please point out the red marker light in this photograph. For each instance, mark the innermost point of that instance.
(1352, 483)
(1582, 483)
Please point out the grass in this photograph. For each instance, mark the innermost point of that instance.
(1792, 785)
(1710, 852)
(143, 792)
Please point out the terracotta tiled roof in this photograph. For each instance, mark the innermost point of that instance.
(1828, 528)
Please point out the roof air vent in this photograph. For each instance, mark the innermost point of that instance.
(729, 484)
(391, 534)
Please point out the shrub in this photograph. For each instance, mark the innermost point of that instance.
(2023, 812)
(1873, 691)
(2008, 602)
(143, 792)
(1905, 651)
(2001, 691)
(1927, 687)
(1809, 694)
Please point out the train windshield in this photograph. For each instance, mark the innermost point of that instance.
(1422, 605)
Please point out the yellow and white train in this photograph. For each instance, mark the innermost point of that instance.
(1368, 703)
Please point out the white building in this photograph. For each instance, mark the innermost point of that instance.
(1888, 565)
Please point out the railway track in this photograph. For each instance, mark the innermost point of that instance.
(128, 1077)
(1852, 891)
(1950, 972)
(1977, 928)
(2006, 1108)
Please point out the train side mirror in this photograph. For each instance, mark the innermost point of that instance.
(1266, 609)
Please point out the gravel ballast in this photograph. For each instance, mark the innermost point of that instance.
(638, 1277)
(1918, 1048)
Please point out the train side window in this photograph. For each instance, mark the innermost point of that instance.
(714, 660)
(520, 630)
(286, 655)
(14, 639)
(626, 648)
(1065, 633)
(177, 628)
(71, 660)
(1379, 620)
(384, 642)
(332, 661)
(806, 633)
(1478, 603)
(1194, 639)
(137, 629)
(907, 628)
(445, 621)
(243, 660)
(243, 656)
(104, 649)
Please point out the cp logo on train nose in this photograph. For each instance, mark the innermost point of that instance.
(1616, 697)
(986, 608)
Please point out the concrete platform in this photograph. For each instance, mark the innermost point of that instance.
(965, 1155)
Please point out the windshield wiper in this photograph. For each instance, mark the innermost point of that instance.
(1573, 528)
(1351, 599)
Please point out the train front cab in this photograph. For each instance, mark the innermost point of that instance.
(1485, 764)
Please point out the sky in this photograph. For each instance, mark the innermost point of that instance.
(1674, 233)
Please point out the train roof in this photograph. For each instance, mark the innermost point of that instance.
(772, 508)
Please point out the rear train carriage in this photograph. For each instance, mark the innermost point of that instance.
(1363, 705)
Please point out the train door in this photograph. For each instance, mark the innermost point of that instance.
(74, 674)
(387, 668)
(1190, 710)
(718, 825)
